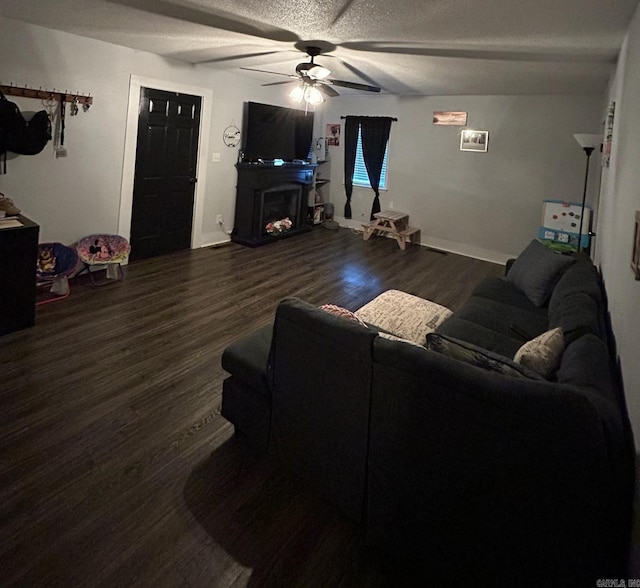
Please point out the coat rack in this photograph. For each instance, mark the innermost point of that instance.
(46, 94)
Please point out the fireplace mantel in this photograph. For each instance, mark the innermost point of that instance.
(259, 181)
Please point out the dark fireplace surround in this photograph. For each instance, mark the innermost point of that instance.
(266, 193)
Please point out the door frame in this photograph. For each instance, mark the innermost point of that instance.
(137, 82)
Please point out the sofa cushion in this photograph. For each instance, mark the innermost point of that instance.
(536, 270)
(503, 318)
(477, 356)
(585, 364)
(482, 336)
(394, 338)
(342, 313)
(542, 354)
(501, 290)
(577, 314)
(404, 315)
(581, 276)
(247, 358)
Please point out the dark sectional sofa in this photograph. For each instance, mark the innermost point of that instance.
(458, 473)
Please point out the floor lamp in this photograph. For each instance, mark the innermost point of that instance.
(588, 143)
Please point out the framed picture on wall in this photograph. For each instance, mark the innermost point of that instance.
(333, 134)
(448, 117)
(471, 140)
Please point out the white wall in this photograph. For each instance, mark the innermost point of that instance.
(80, 194)
(619, 200)
(486, 205)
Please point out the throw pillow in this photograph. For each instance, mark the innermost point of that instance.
(542, 354)
(536, 271)
(342, 313)
(394, 338)
(404, 315)
(482, 358)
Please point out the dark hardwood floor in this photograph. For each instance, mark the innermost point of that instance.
(116, 466)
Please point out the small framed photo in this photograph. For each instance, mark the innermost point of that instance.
(471, 140)
(333, 134)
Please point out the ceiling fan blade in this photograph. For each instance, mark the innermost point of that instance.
(326, 90)
(241, 56)
(280, 83)
(356, 71)
(354, 85)
(275, 73)
(497, 54)
(218, 19)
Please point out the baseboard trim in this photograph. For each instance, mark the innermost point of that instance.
(444, 245)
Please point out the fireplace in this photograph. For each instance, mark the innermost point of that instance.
(267, 193)
(279, 203)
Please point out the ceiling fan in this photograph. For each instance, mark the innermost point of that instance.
(313, 80)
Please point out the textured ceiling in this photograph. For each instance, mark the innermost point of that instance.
(408, 47)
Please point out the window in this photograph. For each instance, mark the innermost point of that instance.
(360, 176)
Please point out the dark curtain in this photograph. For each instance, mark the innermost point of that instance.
(375, 136)
(350, 145)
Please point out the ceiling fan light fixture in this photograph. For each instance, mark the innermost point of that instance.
(313, 96)
(297, 94)
(317, 72)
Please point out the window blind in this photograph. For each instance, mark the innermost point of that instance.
(360, 176)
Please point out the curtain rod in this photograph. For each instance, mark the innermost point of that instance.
(358, 116)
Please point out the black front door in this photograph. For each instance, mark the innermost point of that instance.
(164, 184)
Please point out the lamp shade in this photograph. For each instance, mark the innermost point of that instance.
(587, 141)
(297, 94)
(317, 72)
(313, 96)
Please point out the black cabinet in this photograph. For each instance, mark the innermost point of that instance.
(18, 257)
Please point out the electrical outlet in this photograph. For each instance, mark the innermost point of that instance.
(219, 219)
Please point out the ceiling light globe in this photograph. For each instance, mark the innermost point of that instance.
(313, 96)
(297, 94)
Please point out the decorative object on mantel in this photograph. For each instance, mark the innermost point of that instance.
(231, 135)
(277, 227)
(635, 258)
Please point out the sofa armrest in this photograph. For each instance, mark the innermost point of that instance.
(248, 357)
(496, 478)
(320, 401)
(508, 265)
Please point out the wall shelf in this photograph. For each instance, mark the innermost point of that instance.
(41, 94)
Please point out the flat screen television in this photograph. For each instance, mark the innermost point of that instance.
(275, 132)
